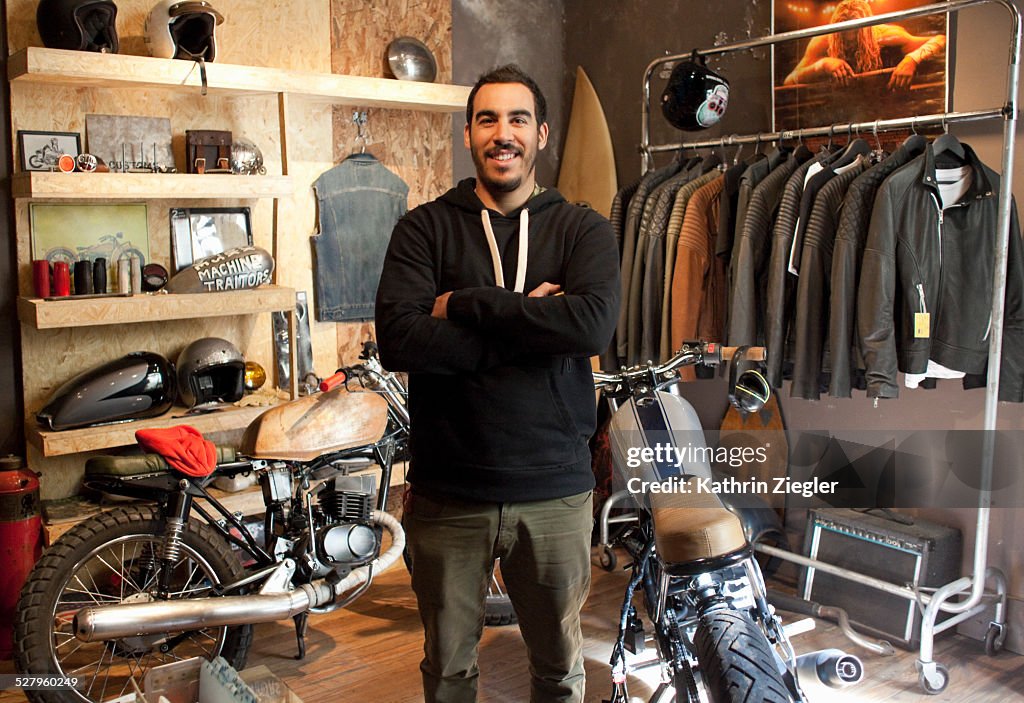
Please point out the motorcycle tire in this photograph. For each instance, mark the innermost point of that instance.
(736, 661)
(109, 558)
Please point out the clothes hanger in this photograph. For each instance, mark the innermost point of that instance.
(947, 149)
(359, 119)
(854, 149)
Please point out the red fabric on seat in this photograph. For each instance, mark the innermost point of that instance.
(183, 447)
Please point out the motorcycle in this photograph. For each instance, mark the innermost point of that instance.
(702, 592)
(142, 585)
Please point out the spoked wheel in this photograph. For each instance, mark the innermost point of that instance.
(109, 559)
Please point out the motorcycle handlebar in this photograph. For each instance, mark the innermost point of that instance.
(333, 381)
(691, 354)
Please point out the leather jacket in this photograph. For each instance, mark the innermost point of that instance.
(781, 289)
(846, 258)
(810, 318)
(932, 267)
(751, 252)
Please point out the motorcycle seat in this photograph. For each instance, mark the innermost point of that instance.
(692, 525)
(138, 464)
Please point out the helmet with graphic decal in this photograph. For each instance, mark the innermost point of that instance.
(695, 97)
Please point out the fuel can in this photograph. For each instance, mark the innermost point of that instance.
(21, 540)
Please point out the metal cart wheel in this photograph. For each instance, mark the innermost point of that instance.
(937, 682)
(607, 558)
(993, 640)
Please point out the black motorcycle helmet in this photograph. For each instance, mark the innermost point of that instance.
(695, 97)
(136, 386)
(81, 25)
(210, 370)
(748, 388)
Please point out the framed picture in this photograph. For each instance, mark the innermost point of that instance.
(40, 150)
(199, 233)
(77, 232)
(879, 72)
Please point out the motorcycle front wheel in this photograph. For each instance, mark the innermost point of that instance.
(736, 661)
(108, 559)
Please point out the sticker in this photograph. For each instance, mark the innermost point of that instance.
(712, 109)
(922, 324)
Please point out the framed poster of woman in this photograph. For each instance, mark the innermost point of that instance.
(884, 71)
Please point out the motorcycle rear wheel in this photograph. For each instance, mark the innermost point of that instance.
(736, 660)
(109, 559)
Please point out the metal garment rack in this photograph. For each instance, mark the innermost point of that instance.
(969, 591)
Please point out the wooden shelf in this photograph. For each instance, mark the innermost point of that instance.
(94, 70)
(147, 186)
(57, 314)
(122, 434)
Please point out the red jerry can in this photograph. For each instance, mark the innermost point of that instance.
(21, 541)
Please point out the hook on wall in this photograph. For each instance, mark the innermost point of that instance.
(359, 119)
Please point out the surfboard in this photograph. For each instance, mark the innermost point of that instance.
(765, 433)
(587, 171)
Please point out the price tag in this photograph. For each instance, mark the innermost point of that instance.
(922, 324)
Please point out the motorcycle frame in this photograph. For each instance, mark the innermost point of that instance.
(177, 495)
(658, 586)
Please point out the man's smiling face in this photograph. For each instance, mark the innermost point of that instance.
(504, 137)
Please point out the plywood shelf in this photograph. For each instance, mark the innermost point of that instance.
(122, 434)
(94, 70)
(147, 186)
(69, 312)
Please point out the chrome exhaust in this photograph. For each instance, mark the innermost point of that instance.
(94, 624)
(832, 667)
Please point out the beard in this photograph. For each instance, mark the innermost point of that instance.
(502, 183)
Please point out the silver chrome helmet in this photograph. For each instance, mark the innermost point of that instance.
(210, 370)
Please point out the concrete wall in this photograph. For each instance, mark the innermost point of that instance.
(487, 34)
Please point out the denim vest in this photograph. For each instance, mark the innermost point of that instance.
(359, 201)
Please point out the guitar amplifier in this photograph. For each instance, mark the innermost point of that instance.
(917, 554)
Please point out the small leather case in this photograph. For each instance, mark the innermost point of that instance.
(208, 151)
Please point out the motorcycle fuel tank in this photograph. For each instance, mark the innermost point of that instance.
(303, 429)
(138, 385)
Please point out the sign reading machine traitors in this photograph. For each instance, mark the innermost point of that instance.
(240, 268)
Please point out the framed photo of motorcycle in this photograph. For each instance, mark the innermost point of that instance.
(40, 151)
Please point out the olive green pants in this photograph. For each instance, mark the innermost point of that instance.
(544, 547)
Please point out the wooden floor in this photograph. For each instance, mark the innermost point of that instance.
(370, 652)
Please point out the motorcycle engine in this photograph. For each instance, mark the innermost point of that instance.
(342, 533)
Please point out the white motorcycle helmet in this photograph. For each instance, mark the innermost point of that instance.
(183, 29)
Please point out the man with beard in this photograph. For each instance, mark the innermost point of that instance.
(493, 297)
(839, 57)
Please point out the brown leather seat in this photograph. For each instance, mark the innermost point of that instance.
(694, 525)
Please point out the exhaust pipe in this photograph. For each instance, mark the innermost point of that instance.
(94, 624)
(831, 667)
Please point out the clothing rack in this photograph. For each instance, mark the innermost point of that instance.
(932, 676)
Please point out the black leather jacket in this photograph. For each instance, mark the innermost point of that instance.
(921, 260)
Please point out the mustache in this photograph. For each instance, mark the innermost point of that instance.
(504, 146)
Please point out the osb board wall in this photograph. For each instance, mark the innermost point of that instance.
(415, 145)
(252, 35)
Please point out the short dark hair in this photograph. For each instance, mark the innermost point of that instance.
(510, 73)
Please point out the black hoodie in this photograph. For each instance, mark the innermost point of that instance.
(501, 393)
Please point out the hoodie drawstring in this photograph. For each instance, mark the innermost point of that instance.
(524, 247)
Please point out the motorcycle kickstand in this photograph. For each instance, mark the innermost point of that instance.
(301, 621)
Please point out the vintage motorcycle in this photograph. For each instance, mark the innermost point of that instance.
(693, 566)
(143, 585)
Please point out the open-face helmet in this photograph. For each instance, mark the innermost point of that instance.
(80, 25)
(183, 29)
(210, 370)
(695, 97)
